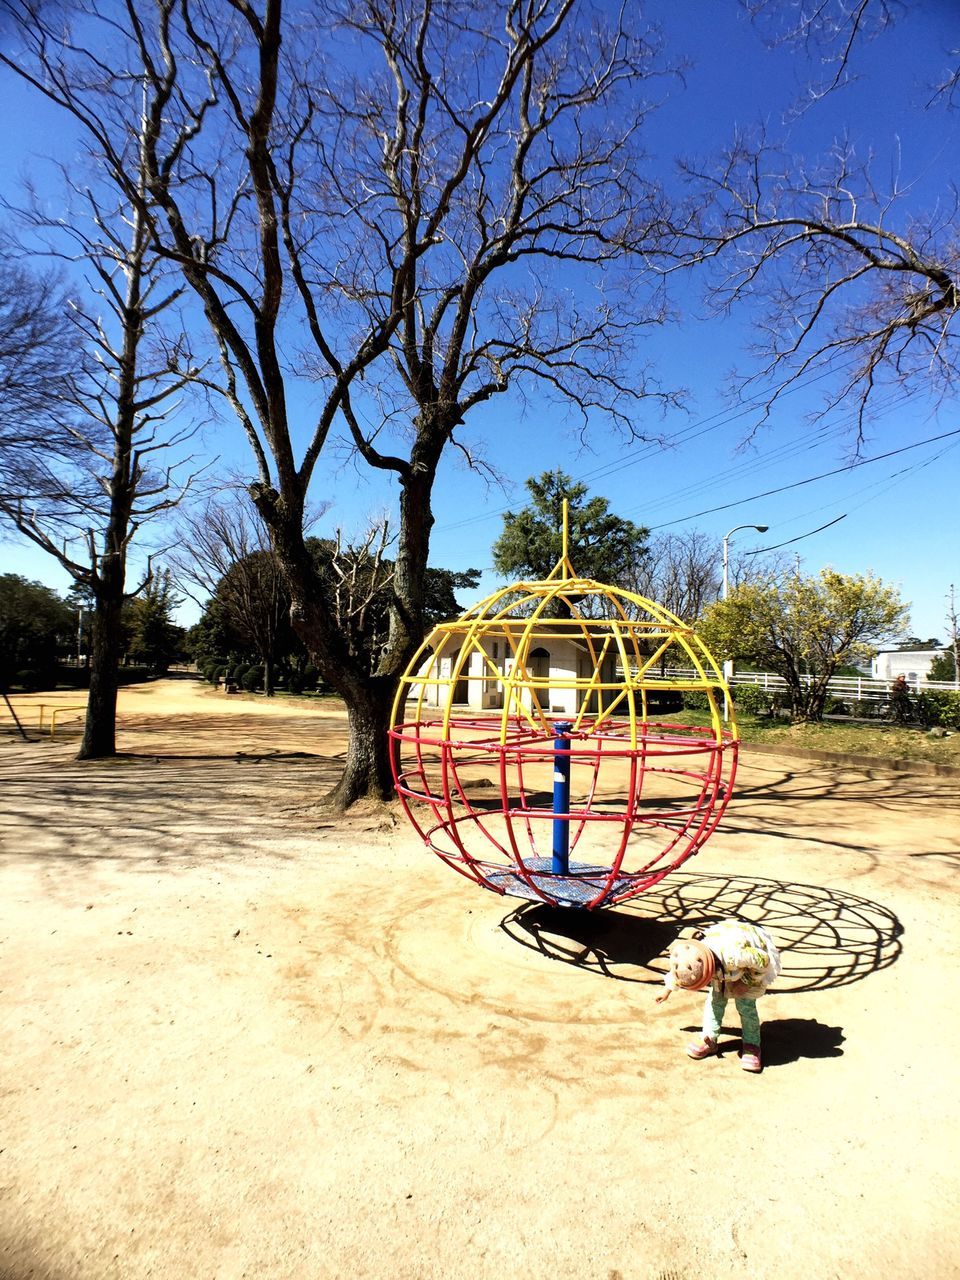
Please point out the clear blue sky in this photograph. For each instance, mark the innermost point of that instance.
(900, 513)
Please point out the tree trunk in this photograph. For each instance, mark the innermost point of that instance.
(268, 677)
(817, 700)
(808, 697)
(798, 698)
(369, 697)
(367, 772)
(100, 728)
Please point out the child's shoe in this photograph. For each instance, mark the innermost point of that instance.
(702, 1048)
(750, 1058)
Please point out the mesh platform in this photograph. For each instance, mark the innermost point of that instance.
(576, 889)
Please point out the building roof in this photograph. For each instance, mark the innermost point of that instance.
(911, 653)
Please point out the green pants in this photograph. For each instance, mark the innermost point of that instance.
(713, 1012)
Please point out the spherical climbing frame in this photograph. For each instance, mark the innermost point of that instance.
(526, 749)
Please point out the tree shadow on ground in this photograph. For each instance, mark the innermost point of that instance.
(827, 937)
(937, 853)
(152, 813)
(238, 757)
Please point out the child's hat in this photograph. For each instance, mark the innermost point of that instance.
(692, 964)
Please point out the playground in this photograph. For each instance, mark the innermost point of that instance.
(243, 1036)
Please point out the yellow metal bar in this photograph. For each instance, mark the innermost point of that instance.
(53, 717)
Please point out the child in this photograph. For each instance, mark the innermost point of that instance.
(731, 958)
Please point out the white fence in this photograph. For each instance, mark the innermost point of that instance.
(846, 688)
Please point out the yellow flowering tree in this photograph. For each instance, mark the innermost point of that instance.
(805, 628)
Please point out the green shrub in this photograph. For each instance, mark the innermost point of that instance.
(661, 702)
(752, 699)
(310, 676)
(134, 675)
(29, 680)
(939, 707)
(252, 680)
(693, 701)
(73, 677)
(295, 682)
(943, 667)
(865, 708)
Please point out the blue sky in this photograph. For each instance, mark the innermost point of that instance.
(898, 513)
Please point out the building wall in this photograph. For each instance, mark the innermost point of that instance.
(913, 663)
(561, 663)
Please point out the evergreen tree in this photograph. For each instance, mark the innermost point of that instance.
(154, 638)
(600, 545)
(36, 626)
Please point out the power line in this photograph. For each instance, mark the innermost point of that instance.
(877, 488)
(893, 480)
(751, 467)
(777, 545)
(797, 484)
(701, 427)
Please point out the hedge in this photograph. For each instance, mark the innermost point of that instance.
(32, 681)
(753, 699)
(939, 707)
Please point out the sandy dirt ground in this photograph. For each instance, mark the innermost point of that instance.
(241, 1038)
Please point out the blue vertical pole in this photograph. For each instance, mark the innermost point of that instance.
(561, 797)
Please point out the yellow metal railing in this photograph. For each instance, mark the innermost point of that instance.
(55, 711)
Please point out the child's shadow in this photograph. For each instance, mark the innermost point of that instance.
(790, 1039)
(787, 1040)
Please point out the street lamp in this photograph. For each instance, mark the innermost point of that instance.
(728, 662)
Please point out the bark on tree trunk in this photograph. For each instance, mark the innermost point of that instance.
(369, 697)
(100, 728)
(367, 770)
(795, 693)
(808, 709)
(268, 677)
(817, 700)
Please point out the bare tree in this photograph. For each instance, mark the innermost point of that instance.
(433, 199)
(224, 554)
(847, 281)
(108, 468)
(360, 576)
(40, 358)
(827, 30)
(682, 571)
(850, 278)
(830, 31)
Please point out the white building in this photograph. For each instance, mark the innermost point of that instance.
(558, 674)
(553, 671)
(913, 663)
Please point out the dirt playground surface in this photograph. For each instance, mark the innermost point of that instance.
(241, 1038)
